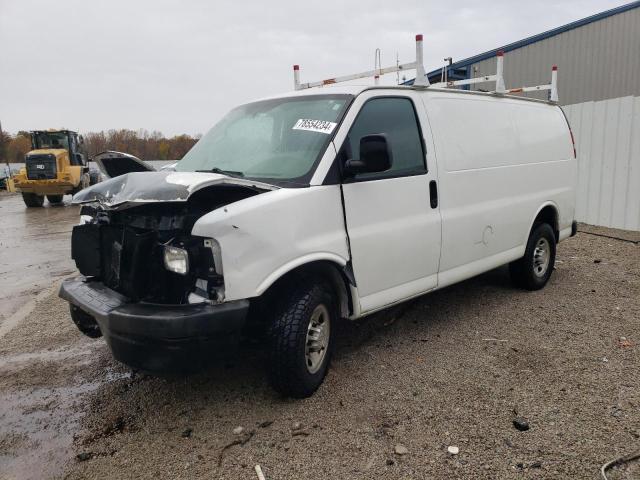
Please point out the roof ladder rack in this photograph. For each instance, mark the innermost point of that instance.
(418, 65)
(498, 78)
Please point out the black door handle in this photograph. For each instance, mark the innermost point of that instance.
(433, 194)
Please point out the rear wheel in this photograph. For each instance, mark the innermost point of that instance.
(301, 340)
(32, 199)
(532, 271)
(55, 199)
(85, 322)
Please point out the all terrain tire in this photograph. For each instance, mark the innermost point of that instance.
(301, 339)
(532, 272)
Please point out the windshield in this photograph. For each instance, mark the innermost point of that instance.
(51, 140)
(279, 139)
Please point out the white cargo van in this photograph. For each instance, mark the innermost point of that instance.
(298, 210)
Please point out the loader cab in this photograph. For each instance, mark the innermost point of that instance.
(63, 140)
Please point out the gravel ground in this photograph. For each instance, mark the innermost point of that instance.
(453, 368)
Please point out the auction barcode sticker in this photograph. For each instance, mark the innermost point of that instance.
(320, 126)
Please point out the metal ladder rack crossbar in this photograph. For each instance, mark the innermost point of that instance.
(418, 66)
(422, 80)
(498, 78)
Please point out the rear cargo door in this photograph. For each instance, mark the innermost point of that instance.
(392, 217)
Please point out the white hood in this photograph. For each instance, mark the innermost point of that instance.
(150, 187)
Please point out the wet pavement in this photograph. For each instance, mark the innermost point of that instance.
(35, 249)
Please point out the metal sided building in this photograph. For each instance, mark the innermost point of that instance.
(598, 61)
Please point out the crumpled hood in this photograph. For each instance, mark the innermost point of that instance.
(148, 187)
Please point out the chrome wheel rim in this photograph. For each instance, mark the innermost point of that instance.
(541, 257)
(317, 340)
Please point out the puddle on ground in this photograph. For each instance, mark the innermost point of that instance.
(37, 426)
(19, 360)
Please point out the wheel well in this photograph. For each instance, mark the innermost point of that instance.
(549, 215)
(328, 271)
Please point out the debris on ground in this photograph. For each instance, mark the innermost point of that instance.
(521, 424)
(186, 433)
(401, 449)
(258, 470)
(453, 450)
(238, 430)
(624, 342)
(238, 441)
(616, 462)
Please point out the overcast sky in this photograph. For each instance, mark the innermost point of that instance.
(178, 66)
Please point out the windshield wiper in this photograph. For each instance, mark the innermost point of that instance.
(230, 173)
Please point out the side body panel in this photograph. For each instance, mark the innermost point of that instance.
(265, 236)
(501, 161)
(394, 232)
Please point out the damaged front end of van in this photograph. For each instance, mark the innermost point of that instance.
(146, 283)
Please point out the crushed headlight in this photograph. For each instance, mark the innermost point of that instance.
(176, 260)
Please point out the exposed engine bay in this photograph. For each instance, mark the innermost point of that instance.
(137, 227)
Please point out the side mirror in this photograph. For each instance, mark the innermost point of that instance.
(375, 156)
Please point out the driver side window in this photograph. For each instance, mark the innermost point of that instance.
(396, 118)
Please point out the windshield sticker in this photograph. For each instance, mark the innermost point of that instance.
(320, 126)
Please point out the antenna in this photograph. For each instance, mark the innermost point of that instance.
(421, 79)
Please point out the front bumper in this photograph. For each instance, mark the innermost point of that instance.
(43, 187)
(154, 337)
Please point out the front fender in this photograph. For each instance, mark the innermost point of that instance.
(298, 262)
(265, 236)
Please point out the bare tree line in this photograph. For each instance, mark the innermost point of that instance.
(141, 143)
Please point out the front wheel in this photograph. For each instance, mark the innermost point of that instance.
(532, 271)
(301, 340)
(55, 199)
(33, 199)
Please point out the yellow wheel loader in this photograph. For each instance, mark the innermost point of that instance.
(57, 165)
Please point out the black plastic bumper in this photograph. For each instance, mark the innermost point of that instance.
(159, 338)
